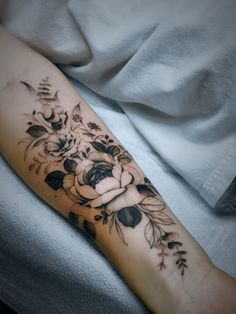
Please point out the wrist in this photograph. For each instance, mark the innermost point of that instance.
(214, 294)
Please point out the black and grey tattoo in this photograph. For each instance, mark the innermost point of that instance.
(85, 164)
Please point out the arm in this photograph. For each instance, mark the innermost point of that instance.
(64, 152)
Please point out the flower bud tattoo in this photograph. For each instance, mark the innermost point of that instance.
(86, 165)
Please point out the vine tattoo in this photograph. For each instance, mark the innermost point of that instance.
(83, 163)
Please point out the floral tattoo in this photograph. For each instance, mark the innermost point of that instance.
(85, 164)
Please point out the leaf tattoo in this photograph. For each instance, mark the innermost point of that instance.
(82, 163)
(36, 130)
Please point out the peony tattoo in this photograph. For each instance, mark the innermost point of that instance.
(85, 164)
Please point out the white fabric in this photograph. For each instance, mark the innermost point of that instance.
(172, 65)
(47, 266)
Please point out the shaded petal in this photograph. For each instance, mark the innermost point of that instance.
(74, 191)
(77, 185)
(106, 197)
(82, 165)
(63, 116)
(116, 172)
(56, 117)
(138, 177)
(106, 185)
(68, 181)
(52, 146)
(47, 111)
(126, 178)
(99, 156)
(81, 178)
(53, 138)
(130, 197)
(87, 191)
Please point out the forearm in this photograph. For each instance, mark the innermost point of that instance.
(64, 152)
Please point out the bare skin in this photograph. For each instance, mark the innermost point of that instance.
(66, 154)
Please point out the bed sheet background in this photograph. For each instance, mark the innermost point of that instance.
(48, 266)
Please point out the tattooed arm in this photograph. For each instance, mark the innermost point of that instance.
(64, 152)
